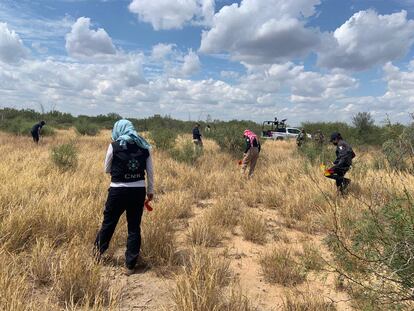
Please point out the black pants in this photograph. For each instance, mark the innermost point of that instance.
(119, 200)
(35, 137)
(339, 175)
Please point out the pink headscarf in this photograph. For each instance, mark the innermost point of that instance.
(252, 136)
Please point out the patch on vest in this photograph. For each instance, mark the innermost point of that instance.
(133, 165)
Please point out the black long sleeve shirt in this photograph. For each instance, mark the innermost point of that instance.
(344, 154)
(249, 145)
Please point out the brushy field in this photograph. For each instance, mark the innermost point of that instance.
(215, 240)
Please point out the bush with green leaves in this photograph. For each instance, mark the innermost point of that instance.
(163, 139)
(87, 128)
(374, 250)
(65, 156)
(399, 151)
(188, 153)
(23, 127)
(316, 153)
(229, 135)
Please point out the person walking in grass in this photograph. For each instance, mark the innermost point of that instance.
(319, 138)
(37, 131)
(302, 137)
(343, 162)
(251, 152)
(198, 142)
(128, 161)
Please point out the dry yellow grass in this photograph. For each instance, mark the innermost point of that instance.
(49, 219)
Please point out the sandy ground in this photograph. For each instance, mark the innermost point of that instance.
(146, 290)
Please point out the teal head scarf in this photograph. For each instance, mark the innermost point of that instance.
(124, 132)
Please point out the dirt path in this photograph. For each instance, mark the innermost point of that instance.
(148, 291)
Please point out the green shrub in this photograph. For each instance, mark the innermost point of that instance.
(87, 128)
(65, 156)
(229, 136)
(399, 151)
(187, 153)
(23, 127)
(316, 153)
(378, 245)
(163, 139)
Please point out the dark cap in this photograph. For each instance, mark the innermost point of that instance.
(335, 135)
(42, 122)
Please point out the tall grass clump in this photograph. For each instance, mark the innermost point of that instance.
(280, 267)
(202, 284)
(14, 288)
(253, 227)
(78, 279)
(311, 258)
(225, 213)
(203, 232)
(306, 302)
(42, 262)
(65, 156)
(158, 240)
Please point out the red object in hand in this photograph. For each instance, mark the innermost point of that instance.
(240, 162)
(148, 206)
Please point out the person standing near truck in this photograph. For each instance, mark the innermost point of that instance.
(251, 152)
(343, 162)
(37, 130)
(198, 142)
(319, 138)
(128, 161)
(301, 139)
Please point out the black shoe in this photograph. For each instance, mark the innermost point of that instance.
(129, 271)
(345, 184)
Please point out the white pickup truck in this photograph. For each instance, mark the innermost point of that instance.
(277, 130)
(283, 133)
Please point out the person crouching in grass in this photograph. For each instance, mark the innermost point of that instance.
(251, 152)
(128, 160)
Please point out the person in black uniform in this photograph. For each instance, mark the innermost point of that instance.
(343, 162)
(197, 136)
(36, 131)
(128, 161)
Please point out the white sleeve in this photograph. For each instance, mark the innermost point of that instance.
(150, 175)
(108, 159)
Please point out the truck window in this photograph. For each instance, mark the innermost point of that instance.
(281, 130)
(293, 131)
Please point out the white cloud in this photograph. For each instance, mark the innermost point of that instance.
(191, 64)
(167, 14)
(161, 50)
(83, 41)
(12, 49)
(303, 86)
(262, 32)
(368, 39)
(400, 92)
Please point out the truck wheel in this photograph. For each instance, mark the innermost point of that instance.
(279, 138)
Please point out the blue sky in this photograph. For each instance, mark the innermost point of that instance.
(251, 59)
